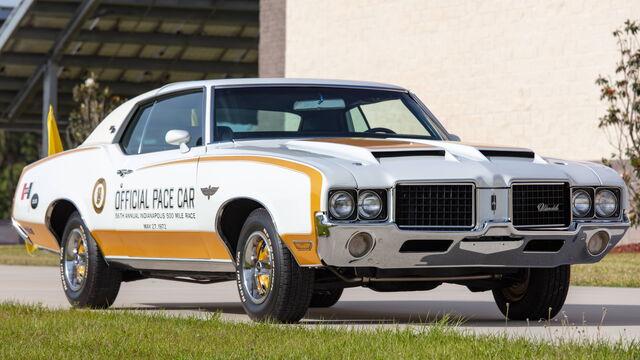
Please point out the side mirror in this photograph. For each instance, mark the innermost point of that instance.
(178, 137)
(453, 137)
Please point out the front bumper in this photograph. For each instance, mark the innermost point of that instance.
(21, 232)
(476, 248)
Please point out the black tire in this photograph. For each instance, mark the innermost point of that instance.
(101, 283)
(539, 295)
(325, 298)
(290, 286)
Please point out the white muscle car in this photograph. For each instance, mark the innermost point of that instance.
(297, 189)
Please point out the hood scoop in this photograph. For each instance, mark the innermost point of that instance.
(407, 153)
(523, 154)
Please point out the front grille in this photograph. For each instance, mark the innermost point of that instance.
(434, 206)
(541, 205)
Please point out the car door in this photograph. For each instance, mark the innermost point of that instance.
(154, 202)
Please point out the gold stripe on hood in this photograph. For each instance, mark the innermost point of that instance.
(485, 146)
(375, 144)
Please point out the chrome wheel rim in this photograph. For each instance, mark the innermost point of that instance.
(257, 267)
(76, 259)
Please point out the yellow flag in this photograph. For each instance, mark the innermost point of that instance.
(55, 144)
(30, 248)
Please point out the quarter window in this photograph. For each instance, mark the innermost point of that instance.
(132, 137)
(151, 123)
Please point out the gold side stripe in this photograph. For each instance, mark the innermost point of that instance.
(315, 177)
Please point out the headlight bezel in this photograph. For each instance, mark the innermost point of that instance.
(383, 194)
(380, 197)
(593, 214)
(590, 193)
(330, 208)
(616, 195)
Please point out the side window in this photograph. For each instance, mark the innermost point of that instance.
(149, 127)
(132, 138)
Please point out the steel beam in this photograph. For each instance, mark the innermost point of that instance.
(22, 58)
(144, 38)
(179, 14)
(6, 97)
(13, 22)
(81, 13)
(236, 5)
(85, 61)
(119, 88)
(198, 66)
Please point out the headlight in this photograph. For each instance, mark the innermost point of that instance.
(581, 203)
(606, 203)
(341, 205)
(369, 205)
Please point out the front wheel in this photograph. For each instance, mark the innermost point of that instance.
(537, 294)
(271, 284)
(87, 280)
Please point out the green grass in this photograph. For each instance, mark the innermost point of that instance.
(616, 270)
(17, 255)
(33, 332)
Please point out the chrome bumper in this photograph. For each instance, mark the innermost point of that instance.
(21, 232)
(472, 252)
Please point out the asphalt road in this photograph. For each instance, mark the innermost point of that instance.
(582, 316)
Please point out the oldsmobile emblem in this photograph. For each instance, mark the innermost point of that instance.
(542, 207)
(99, 195)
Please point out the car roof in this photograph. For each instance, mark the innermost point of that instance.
(276, 82)
(102, 135)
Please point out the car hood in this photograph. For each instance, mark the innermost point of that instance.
(370, 163)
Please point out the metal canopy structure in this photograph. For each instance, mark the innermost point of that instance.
(49, 46)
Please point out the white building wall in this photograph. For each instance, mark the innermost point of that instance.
(503, 72)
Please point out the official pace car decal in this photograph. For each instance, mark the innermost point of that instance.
(156, 205)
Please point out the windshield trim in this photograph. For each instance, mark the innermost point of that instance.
(353, 136)
(306, 85)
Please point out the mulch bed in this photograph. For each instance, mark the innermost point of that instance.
(627, 248)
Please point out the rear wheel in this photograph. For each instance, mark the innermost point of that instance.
(271, 284)
(87, 280)
(325, 298)
(537, 294)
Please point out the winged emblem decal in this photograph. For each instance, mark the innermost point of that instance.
(209, 191)
(123, 172)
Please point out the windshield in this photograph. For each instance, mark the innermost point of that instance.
(275, 112)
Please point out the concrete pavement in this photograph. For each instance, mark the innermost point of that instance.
(582, 316)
